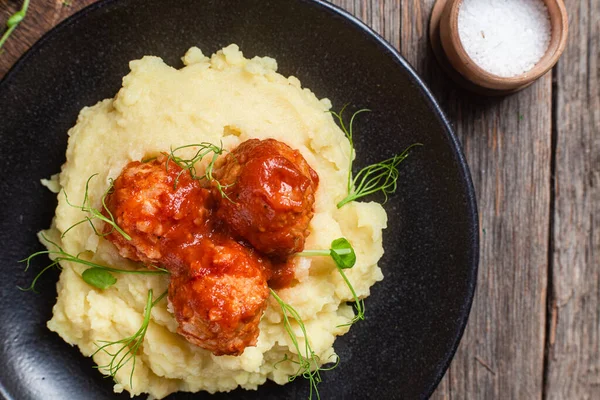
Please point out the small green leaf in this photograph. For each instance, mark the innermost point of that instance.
(99, 278)
(15, 19)
(343, 259)
(342, 253)
(12, 23)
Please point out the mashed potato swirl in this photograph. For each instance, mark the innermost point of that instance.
(222, 99)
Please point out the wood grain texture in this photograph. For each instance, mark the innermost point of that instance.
(508, 144)
(501, 355)
(573, 367)
(41, 16)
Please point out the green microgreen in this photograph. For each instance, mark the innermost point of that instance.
(309, 366)
(14, 21)
(61, 255)
(98, 277)
(359, 304)
(189, 165)
(378, 177)
(95, 213)
(149, 159)
(348, 131)
(341, 251)
(130, 346)
(344, 257)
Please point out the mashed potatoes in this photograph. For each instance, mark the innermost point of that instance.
(226, 98)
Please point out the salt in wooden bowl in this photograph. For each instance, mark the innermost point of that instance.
(449, 50)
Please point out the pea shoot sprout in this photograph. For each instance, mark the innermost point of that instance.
(101, 277)
(94, 278)
(204, 149)
(130, 346)
(378, 177)
(97, 275)
(308, 362)
(95, 213)
(14, 21)
(344, 257)
(349, 134)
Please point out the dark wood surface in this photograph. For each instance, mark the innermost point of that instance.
(534, 331)
(573, 359)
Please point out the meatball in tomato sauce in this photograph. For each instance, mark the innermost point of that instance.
(218, 286)
(219, 298)
(269, 195)
(152, 204)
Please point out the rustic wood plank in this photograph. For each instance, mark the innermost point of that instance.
(507, 142)
(41, 16)
(573, 367)
(501, 355)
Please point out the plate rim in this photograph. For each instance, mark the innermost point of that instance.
(416, 80)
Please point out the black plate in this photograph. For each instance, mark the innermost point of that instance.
(415, 317)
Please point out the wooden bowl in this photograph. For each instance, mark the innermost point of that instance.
(444, 36)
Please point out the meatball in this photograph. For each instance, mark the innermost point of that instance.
(218, 287)
(219, 299)
(270, 193)
(154, 204)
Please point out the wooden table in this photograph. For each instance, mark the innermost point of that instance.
(534, 331)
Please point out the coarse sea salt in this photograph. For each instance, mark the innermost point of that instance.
(504, 37)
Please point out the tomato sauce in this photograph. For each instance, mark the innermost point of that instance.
(225, 242)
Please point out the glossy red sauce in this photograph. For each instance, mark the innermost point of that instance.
(282, 274)
(271, 190)
(222, 252)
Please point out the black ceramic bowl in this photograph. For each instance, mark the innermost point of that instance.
(415, 316)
